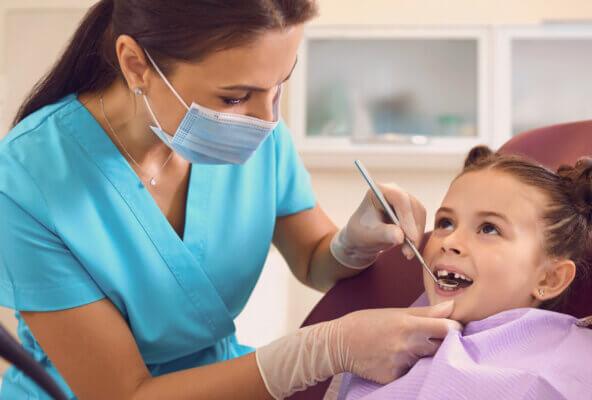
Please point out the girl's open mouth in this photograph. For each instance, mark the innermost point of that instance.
(460, 280)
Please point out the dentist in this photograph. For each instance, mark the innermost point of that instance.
(141, 187)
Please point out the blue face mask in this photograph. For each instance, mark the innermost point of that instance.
(205, 136)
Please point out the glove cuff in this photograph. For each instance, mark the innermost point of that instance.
(347, 255)
(302, 359)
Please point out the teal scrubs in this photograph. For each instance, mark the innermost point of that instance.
(79, 226)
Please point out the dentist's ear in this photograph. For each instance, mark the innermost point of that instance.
(132, 62)
(554, 280)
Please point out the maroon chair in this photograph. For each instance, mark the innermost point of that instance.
(395, 282)
(14, 353)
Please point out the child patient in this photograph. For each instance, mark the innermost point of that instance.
(515, 236)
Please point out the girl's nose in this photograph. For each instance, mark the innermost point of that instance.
(453, 243)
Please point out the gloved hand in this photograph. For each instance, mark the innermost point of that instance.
(379, 345)
(369, 231)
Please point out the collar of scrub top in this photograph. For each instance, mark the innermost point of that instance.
(180, 260)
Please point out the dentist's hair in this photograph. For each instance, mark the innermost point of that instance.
(186, 30)
(568, 214)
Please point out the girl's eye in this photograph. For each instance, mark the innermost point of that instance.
(234, 101)
(489, 229)
(444, 223)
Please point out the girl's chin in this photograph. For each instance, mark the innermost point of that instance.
(459, 314)
(462, 317)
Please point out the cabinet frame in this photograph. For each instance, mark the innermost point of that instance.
(437, 152)
(503, 37)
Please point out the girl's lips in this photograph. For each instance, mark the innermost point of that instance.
(448, 293)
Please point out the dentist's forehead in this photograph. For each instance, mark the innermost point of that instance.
(265, 63)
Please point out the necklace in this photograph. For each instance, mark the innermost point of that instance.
(152, 178)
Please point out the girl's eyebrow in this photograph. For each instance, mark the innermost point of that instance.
(480, 213)
(494, 214)
(445, 209)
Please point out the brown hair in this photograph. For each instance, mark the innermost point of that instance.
(568, 216)
(185, 30)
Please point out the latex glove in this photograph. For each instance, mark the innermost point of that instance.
(369, 231)
(379, 345)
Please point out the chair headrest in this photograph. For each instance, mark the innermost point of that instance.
(554, 146)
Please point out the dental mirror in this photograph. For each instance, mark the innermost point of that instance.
(443, 282)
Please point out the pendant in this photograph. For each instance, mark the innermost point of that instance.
(153, 181)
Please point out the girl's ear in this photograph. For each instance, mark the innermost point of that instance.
(554, 280)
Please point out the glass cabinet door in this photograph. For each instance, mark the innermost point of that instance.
(392, 89)
(551, 81)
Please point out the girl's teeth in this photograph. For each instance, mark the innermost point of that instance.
(443, 273)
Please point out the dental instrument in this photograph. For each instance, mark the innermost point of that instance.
(443, 282)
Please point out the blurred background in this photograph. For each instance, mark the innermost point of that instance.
(408, 86)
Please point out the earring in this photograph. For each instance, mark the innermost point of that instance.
(541, 292)
(138, 91)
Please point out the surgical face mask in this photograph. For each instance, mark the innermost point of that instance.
(205, 136)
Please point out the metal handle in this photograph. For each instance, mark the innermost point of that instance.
(392, 215)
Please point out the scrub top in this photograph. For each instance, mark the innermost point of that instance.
(78, 226)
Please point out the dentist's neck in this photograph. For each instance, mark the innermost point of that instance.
(131, 122)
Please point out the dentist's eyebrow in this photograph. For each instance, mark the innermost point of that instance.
(249, 88)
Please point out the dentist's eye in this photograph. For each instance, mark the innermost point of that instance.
(231, 101)
(444, 223)
(489, 229)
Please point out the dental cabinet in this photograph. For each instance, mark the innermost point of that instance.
(420, 98)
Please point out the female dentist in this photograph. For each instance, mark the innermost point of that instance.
(145, 178)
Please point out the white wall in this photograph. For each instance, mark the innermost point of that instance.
(425, 12)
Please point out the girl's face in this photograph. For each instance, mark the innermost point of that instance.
(489, 229)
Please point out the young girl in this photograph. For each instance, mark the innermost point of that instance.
(514, 235)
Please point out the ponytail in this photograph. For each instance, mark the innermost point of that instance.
(86, 64)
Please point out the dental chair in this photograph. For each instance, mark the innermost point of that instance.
(13, 352)
(393, 281)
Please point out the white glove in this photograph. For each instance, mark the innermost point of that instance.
(380, 345)
(369, 231)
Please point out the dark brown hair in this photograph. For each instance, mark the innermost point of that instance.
(185, 30)
(568, 215)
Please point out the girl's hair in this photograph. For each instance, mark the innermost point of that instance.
(185, 30)
(568, 215)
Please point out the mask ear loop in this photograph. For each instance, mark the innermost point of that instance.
(139, 92)
(276, 103)
(166, 81)
(150, 111)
